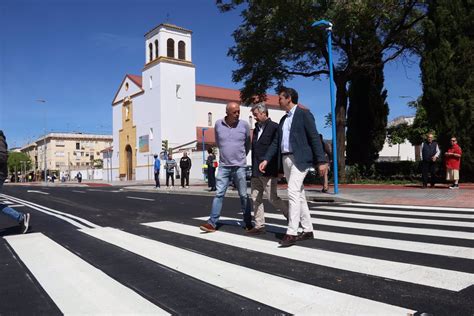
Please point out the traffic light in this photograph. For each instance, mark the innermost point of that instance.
(164, 145)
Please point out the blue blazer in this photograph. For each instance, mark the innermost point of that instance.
(304, 139)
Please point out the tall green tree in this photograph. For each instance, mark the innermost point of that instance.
(276, 41)
(368, 109)
(17, 161)
(448, 75)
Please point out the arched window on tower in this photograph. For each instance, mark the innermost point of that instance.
(181, 50)
(156, 48)
(209, 119)
(170, 47)
(150, 48)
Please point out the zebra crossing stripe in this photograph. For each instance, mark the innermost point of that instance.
(386, 211)
(284, 294)
(74, 285)
(395, 244)
(412, 207)
(384, 228)
(395, 219)
(72, 219)
(434, 277)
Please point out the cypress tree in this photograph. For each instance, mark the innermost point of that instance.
(368, 110)
(448, 76)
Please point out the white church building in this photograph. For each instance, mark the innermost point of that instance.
(164, 103)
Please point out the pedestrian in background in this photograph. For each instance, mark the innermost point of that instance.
(233, 141)
(211, 169)
(79, 177)
(23, 219)
(328, 155)
(298, 147)
(264, 133)
(170, 167)
(156, 169)
(453, 163)
(185, 164)
(429, 154)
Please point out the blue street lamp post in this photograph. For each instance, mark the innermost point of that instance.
(203, 151)
(328, 26)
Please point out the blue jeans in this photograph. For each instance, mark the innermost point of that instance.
(224, 176)
(5, 209)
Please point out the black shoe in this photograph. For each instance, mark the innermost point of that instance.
(25, 223)
(324, 190)
(256, 231)
(287, 241)
(305, 236)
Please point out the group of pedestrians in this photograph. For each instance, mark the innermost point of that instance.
(292, 146)
(170, 167)
(430, 154)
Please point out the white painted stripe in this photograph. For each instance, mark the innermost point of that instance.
(395, 219)
(412, 207)
(428, 276)
(35, 191)
(7, 202)
(99, 190)
(285, 294)
(139, 198)
(385, 228)
(55, 213)
(17, 205)
(382, 211)
(403, 245)
(74, 285)
(78, 191)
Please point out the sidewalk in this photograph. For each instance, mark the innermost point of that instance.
(361, 193)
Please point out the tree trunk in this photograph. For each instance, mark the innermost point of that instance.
(341, 109)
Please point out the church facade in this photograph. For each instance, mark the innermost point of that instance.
(164, 105)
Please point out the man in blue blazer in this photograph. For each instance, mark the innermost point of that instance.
(297, 147)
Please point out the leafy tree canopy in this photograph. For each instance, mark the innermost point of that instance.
(17, 160)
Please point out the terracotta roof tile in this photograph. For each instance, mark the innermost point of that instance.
(225, 94)
(136, 79)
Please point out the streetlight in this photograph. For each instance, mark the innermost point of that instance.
(44, 143)
(328, 26)
(203, 150)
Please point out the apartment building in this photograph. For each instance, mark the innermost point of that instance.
(66, 151)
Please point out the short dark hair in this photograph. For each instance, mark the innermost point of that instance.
(209, 150)
(289, 93)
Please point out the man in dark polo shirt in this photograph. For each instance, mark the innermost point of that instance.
(233, 141)
(429, 154)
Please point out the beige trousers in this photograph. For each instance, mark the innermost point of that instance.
(258, 185)
(298, 207)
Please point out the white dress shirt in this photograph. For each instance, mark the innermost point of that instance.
(285, 139)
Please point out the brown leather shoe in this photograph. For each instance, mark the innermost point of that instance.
(256, 231)
(208, 228)
(287, 241)
(305, 236)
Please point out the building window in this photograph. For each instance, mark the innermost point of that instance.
(150, 49)
(151, 82)
(178, 91)
(156, 48)
(170, 47)
(126, 86)
(78, 145)
(209, 119)
(181, 50)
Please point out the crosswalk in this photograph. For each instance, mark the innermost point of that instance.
(364, 260)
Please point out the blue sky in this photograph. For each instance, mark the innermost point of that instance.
(74, 54)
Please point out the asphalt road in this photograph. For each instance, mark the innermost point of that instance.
(89, 251)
